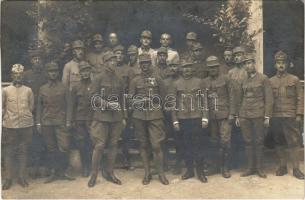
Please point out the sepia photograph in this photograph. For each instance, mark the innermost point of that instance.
(152, 99)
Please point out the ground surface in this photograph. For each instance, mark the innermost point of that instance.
(217, 187)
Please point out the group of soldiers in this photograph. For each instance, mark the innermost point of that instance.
(201, 99)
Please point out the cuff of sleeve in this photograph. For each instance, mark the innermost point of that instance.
(205, 120)
(175, 122)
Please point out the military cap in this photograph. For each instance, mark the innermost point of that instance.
(162, 50)
(78, 44)
(132, 49)
(280, 55)
(97, 37)
(35, 52)
(17, 68)
(144, 58)
(212, 61)
(118, 48)
(84, 65)
(146, 33)
(185, 63)
(191, 36)
(173, 63)
(238, 49)
(67, 47)
(52, 66)
(108, 55)
(248, 56)
(227, 52)
(197, 46)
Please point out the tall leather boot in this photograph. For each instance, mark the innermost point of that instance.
(8, 161)
(22, 157)
(96, 159)
(226, 158)
(282, 170)
(159, 161)
(294, 155)
(250, 162)
(145, 158)
(54, 167)
(64, 157)
(259, 161)
(189, 170)
(111, 158)
(84, 157)
(200, 172)
(215, 159)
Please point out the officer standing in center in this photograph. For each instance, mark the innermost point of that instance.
(255, 111)
(147, 116)
(189, 118)
(108, 118)
(221, 101)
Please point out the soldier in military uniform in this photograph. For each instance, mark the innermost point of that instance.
(79, 115)
(172, 55)
(188, 118)
(95, 57)
(108, 118)
(64, 56)
(197, 58)
(71, 75)
(35, 78)
(222, 113)
(238, 72)
(132, 53)
(51, 122)
(255, 111)
(145, 48)
(228, 61)
(287, 115)
(126, 74)
(113, 41)
(17, 123)
(169, 73)
(191, 39)
(148, 116)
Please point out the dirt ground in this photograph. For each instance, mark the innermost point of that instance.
(217, 187)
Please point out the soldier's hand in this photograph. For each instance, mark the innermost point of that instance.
(176, 126)
(237, 123)
(38, 127)
(231, 119)
(124, 122)
(69, 125)
(266, 122)
(204, 123)
(114, 105)
(298, 120)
